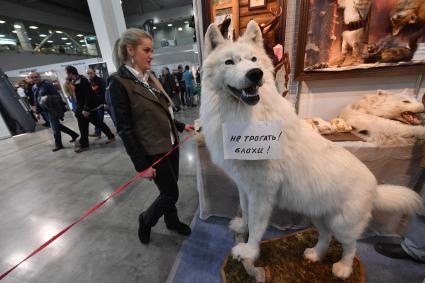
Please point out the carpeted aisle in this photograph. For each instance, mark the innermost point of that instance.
(200, 258)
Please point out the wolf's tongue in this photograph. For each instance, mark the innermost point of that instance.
(412, 119)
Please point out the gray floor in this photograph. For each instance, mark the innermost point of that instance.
(42, 192)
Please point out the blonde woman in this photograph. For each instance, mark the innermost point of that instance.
(146, 125)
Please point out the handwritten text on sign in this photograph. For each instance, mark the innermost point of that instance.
(252, 141)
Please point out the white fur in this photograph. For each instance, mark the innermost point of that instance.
(314, 176)
(378, 114)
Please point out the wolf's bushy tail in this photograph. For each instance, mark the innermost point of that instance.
(398, 199)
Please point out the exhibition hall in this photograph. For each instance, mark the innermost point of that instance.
(212, 141)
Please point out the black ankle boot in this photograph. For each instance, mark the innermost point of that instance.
(180, 228)
(144, 231)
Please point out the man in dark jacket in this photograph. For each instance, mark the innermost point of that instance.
(98, 86)
(87, 106)
(48, 100)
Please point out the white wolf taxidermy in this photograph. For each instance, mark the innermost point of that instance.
(386, 119)
(314, 176)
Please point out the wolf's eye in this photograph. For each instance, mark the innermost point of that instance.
(406, 101)
(253, 59)
(229, 62)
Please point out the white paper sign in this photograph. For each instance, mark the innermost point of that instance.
(253, 141)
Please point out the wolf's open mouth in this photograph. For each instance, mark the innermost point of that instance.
(248, 95)
(411, 118)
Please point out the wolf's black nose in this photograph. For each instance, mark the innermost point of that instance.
(255, 75)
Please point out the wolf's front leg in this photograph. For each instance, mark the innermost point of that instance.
(239, 225)
(260, 205)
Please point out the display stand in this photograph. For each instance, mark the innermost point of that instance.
(281, 260)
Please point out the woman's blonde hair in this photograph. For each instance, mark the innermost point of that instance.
(131, 37)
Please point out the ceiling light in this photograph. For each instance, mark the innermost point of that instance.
(81, 40)
(68, 43)
(64, 38)
(2, 22)
(154, 27)
(50, 41)
(29, 38)
(43, 35)
(16, 26)
(14, 31)
(33, 27)
(58, 31)
(186, 22)
(80, 35)
(2, 35)
(170, 25)
(83, 45)
(180, 29)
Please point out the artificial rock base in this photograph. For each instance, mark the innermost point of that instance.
(283, 262)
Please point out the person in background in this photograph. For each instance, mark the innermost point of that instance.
(38, 110)
(87, 106)
(50, 101)
(169, 86)
(147, 128)
(182, 85)
(69, 89)
(188, 80)
(98, 86)
(413, 245)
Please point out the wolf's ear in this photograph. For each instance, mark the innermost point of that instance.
(253, 34)
(407, 92)
(213, 38)
(381, 92)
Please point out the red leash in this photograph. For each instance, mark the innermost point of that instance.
(116, 192)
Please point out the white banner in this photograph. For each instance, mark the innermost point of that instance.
(253, 141)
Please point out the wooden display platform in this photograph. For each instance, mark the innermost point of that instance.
(283, 261)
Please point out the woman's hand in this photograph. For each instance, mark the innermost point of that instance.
(150, 174)
(189, 128)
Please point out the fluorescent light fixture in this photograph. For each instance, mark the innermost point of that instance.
(68, 43)
(83, 45)
(17, 26)
(43, 35)
(186, 22)
(154, 27)
(80, 35)
(33, 27)
(14, 31)
(50, 41)
(2, 22)
(180, 29)
(170, 25)
(64, 38)
(2, 35)
(58, 31)
(81, 40)
(29, 38)
(7, 41)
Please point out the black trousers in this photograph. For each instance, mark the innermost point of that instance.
(167, 174)
(83, 125)
(57, 128)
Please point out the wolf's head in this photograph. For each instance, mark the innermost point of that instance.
(402, 107)
(236, 69)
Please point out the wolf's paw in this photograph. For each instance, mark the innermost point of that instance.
(310, 254)
(341, 270)
(237, 225)
(245, 251)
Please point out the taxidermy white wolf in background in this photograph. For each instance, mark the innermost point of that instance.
(386, 119)
(314, 176)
